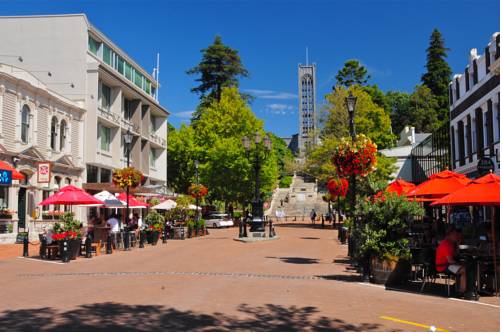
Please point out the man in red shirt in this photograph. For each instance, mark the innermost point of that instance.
(445, 261)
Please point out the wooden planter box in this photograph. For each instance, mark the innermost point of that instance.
(389, 271)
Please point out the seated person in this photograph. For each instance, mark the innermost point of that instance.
(445, 261)
(113, 222)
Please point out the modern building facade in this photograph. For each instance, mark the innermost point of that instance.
(306, 107)
(36, 126)
(117, 93)
(475, 111)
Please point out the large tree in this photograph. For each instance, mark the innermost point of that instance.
(423, 106)
(438, 73)
(370, 119)
(352, 73)
(220, 67)
(181, 154)
(399, 110)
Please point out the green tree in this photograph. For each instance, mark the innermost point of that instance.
(378, 97)
(399, 110)
(181, 153)
(318, 162)
(438, 73)
(370, 119)
(281, 150)
(423, 108)
(352, 73)
(220, 67)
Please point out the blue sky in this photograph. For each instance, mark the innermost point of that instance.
(388, 36)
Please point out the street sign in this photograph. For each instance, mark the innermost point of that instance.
(5, 177)
(485, 166)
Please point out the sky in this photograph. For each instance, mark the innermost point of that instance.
(388, 36)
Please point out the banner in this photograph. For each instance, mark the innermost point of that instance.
(44, 172)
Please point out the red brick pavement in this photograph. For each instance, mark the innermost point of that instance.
(216, 283)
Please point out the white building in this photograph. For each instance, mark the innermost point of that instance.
(475, 111)
(36, 125)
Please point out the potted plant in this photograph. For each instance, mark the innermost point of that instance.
(381, 231)
(69, 229)
(155, 224)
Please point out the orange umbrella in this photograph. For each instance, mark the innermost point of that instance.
(399, 186)
(440, 184)
(15, 174)
(482, 191)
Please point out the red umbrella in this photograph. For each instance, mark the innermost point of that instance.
(399, 186)
(15, 174)
(482, 191)
(133, 202)
(70, 195)
(440, 184)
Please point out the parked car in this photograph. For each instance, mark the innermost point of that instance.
(219, 220)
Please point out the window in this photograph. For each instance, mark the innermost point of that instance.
(468, 133)
(105, 138)
(62, 134)
(128, 71)
(45, 195)
(4, 197)
(152, 124)
(92, 174)
(461, 143)
(148, 86)
(457, 89)
(152, 157)
(105, 96)
(474, 136)
(107, 54)
(67, 181)
(466, 78)
(120, 65)
(106, 175)
(94, 46)
(25, 123)
(54, 127)
(138, 79)
(127, 109)
(487, 60)
(475, 72)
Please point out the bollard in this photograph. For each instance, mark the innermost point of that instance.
(240, 228)
(25, 246)
(43, 247)
(88, 248)
(270, 228)
(164, 235)
(182, 233)
(65, 256)
(141, 239)
(244, 229)
(126, 240)
(109, 244)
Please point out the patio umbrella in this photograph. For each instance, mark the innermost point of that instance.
(194, 207)
(15, 174)
(399, 186)
(109, 200)
(482, 191)
(166, 205)
(439, 185)
(70, 195)
(133, 202)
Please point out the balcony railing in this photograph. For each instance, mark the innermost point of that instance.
(109, 115)
(158, 139)
(130, 125)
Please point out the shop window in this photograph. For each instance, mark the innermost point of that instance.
(105, 176)
(92, 174)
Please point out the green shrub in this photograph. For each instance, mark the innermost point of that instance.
(381, 227)
(285, 182)
(154, 220)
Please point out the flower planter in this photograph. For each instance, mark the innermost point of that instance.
(155, 237)
(74, 248)
(389, 271)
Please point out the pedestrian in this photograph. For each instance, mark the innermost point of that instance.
(313, 215)
(282, 202)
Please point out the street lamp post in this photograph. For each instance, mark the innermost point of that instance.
(197, 180)
(127, 142)
(350, 102)
(257, 204)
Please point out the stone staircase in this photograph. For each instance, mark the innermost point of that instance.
(302, 198)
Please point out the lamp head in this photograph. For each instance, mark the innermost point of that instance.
(350, 101)
(128, 137)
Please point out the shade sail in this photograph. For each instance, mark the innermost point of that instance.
(166, 205)
(482, 191)
(71, 195)
(15, 174)
(439, 185)
(133, 202)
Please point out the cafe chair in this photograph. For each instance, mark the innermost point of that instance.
(431, 274)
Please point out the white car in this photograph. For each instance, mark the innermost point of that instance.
(219, 220)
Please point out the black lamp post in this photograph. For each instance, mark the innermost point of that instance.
(197, 180)
(127, 142)
(257, 204)
(350, 102)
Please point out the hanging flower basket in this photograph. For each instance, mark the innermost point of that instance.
(197, 191)
(338, 187)
(357, 158)
(127, 177)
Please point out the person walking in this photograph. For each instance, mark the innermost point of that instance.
(313, 215)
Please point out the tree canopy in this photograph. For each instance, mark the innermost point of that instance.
(352, 73)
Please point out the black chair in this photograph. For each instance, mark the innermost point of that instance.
(431, 274)
(132, 238)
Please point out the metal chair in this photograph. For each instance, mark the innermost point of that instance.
(431, 274)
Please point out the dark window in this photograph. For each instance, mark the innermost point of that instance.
(489, 127)
(479, 133)
(497, 52)
(453, 158)
(105, 176)
(457, 89)
(487, 59)
(466, 76)
(62, 135)
(54, 126)
(92, 174)
(25, 123)
(469, 138)
(461, 143)
(45, 195)
(451, 95)
(475, 72)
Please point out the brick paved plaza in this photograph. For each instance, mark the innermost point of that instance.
(300, 282)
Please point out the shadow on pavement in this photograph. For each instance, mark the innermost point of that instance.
(295, 260)
(310, 238)
(342, 278)
(122, 317)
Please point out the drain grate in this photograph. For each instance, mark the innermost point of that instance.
(178, 273)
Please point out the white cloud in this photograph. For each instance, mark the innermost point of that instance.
(270, 94)
(278, 109)
(184, 114)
